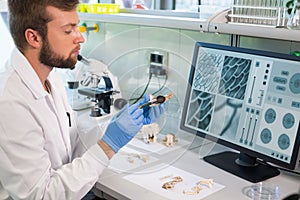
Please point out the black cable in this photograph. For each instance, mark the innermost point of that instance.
(164, 84)
(147, 85)
(143, 93)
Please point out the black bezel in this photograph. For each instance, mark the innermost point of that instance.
(296, 148)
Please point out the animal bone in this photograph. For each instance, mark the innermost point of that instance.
(208, 182)
(169, 140)
(196, 189)
(149, 132)
(172, 183)
(132, 156)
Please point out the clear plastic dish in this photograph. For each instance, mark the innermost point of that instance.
(264, 191)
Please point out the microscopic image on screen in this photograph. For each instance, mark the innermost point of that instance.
(234, 77)
(226, 117)
(200, 111)
(219, 86)
(247, 100)
(208, 72)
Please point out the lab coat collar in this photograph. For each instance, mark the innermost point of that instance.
(19, 62)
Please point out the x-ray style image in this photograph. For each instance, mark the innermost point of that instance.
(245, 98)
(218, 90)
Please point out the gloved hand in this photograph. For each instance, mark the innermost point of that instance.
(151, 114)
(123, 127)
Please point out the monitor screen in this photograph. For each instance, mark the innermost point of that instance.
(248, 100)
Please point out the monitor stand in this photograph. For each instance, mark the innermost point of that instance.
(242, 165)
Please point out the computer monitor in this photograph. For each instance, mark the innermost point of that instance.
(248, 100)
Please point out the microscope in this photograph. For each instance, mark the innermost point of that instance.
(101, 96)
(96, 85)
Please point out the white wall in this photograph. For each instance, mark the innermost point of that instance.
(6, 43)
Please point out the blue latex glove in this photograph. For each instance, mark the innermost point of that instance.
(123, 127)
(151, 114)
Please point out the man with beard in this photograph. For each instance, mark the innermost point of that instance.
(40, 150)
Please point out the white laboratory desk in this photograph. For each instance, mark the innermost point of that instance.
(112, 184)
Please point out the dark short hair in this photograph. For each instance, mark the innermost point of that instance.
(24, 14)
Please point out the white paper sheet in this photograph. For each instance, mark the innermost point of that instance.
(154, 180)
(157, 147)
(127, 159)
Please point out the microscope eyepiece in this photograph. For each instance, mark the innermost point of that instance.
(79, 57)
(83, 59)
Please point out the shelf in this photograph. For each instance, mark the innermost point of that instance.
(215, 24)
(219, 24)
(146, 19)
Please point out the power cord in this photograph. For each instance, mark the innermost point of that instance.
(163, 85)
(143, 93)
(147, 85)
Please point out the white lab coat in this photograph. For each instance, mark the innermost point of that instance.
(38, 149)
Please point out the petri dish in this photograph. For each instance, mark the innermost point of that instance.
(264, 191)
